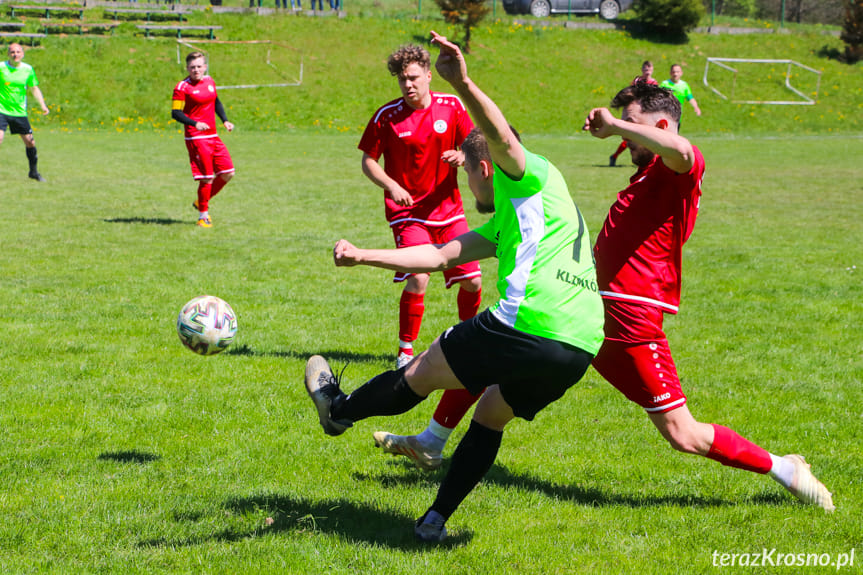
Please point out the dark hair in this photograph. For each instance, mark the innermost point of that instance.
(651, 99)
(647, 63)
(475, 147)
(407, 55)
(194, 56)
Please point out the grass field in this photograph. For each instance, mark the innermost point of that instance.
(125, 453)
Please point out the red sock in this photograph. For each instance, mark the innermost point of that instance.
(468, 303)
(411, 308)
(733, 450)
(452, 406)
(620, 149)
(204, 192)
(218, 184)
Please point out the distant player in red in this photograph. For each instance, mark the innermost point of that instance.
(638, 267)
(418, 136)
(646, 77)
(195, 104)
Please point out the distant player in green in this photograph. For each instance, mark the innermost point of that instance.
(680, 88)
(15, 78)
(530, 347)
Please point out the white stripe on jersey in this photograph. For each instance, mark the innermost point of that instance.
(639, 299)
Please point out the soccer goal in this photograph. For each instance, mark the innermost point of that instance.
(757, 81)
(272, 65)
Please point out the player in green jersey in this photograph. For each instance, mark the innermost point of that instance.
(528, 348)
(15, 78)
(680, 88)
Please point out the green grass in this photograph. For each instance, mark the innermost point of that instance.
(545, 77)
(124, 452)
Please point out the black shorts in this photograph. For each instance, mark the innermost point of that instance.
(17, 124)
(531, 371)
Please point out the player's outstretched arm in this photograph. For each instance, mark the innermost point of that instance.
(417, 259)
(37, 95)
(504, 147)
(675, 150)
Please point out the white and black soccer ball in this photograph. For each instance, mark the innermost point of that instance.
(207, 325)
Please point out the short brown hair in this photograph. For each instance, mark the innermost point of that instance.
(194, 56)
(407, 55)
(651, 99)
(475, 147)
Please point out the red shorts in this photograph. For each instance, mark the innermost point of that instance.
(410, 233)
(209, 157)
(635, 357)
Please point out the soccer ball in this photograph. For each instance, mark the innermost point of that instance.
(207, 325)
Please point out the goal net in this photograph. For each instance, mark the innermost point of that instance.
(247, 64)
(757, 81)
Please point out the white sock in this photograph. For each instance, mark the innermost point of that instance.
(203, 215)
(434, 436)
(406, 347)
(782, 470)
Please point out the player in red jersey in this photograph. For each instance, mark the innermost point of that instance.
(418, 136)
(638, 263)
(195, 104)
(646, 77)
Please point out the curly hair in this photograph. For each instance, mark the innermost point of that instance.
(407, 55)
(651, 99)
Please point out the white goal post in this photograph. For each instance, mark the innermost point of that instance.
(720, 62)
(297, 81)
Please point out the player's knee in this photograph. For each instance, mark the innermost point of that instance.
(473, 284)
(683, 439)
(226, 177)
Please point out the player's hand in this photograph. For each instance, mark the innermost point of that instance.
(45, 110)
(202, 126)
(401, 196)
(450, 62)
(599, 123)
(229, 126)
(454, 158)
(345, 254)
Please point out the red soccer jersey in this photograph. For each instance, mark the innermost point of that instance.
(411, 143)
(199, 103)
(638, 250)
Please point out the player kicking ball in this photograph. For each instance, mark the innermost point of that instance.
(639, 282)
(534, 343)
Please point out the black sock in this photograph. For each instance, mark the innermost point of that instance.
(471, 461)
(32, 158)
(386, 394)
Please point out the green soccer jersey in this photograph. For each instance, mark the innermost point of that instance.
(13, 88)
(681, 90)
(547, 278)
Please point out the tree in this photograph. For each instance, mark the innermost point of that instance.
(852, 31)
(669, 18)
(465, 13)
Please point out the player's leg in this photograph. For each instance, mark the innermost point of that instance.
(412, 301)
(223, 166)
(729, 448)
(612, 159)
(390, 393)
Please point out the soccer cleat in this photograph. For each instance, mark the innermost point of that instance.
(36, 176)
(402, 359)
(407, 445)
(205, 222)
(195, 205)
(323, 388)
(430, 527)
(612, 161)
(806, 487)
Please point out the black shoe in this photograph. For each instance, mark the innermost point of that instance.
(323, 388)
(36, 176)
(430, 529)
(612, 161)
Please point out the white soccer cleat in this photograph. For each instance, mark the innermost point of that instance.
(407, 445)
(806, 487)
(402, 359)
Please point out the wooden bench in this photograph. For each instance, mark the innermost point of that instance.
(178, 29)
(47, 10)
(11, 25)
(81, 26)
(148, 14)
(21, 36)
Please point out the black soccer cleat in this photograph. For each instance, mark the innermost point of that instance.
(36, 176)
(323, 388)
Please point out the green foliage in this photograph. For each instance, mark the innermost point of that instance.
(125, 453)
(741, 8)
(671, 18)
(852, 31)
(466, 14)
